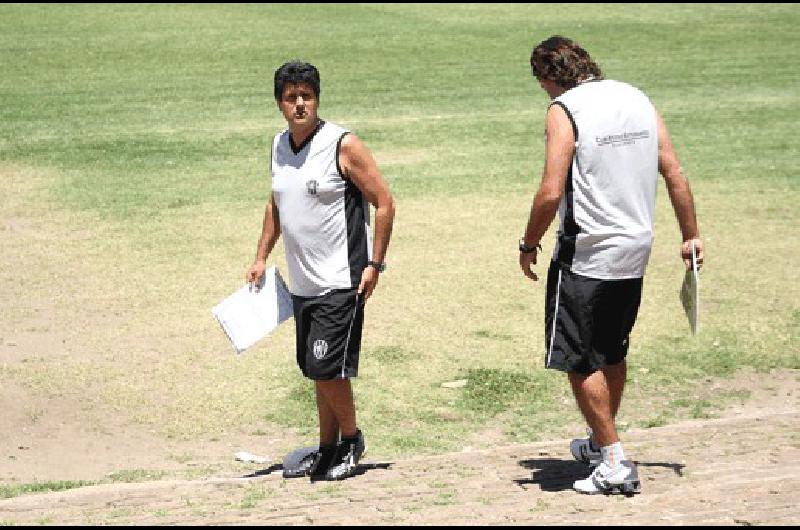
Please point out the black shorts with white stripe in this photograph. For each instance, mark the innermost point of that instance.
(328, 334)
(588, 321)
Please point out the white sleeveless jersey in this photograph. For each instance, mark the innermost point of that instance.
(608, 205)
(324, 217)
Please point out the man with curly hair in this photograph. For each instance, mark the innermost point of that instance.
(605, 145)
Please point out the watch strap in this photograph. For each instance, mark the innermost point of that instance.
(380, 267)
(525, 249)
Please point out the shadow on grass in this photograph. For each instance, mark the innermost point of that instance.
(558, 475)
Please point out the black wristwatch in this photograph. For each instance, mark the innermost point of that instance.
(380, 267)
(525, 249)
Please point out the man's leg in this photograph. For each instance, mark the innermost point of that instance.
(599, 396)
(615, 379)
(336, 412)
(594, 400)
(337, 397)
(328, 424)
(342, 326)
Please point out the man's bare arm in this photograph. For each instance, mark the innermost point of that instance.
(270, 232)
(559, 152)
(359, 166)
(680, 195)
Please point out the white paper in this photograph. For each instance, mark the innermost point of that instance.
(690, 294)
(247, 316)
(250, 458)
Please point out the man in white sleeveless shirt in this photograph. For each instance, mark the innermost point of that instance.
(605, 145)
(323, 180)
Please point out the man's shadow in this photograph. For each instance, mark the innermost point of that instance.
(360, 469)
(551, 474)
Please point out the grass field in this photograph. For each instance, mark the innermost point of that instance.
(133, 161)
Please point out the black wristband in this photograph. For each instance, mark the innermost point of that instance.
(525, 249)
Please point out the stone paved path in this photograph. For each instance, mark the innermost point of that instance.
(741, 470)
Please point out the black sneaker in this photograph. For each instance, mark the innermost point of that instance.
(325, 458)
(348, 455)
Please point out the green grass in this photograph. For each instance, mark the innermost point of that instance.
(125, 476)
(135, 475)
(490, 391)
(180, 109)
(137, 138)
(253, 496)
(15, 490)
(9, 490)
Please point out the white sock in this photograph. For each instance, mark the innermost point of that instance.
(613, 454)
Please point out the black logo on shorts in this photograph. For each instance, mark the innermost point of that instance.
(311, 186)
(320, 349)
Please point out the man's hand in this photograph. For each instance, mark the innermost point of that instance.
(686, 252)
(526, 259)
(369, 280)
(255, 273)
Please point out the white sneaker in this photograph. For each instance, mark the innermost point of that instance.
(621, 479)
(584, 451)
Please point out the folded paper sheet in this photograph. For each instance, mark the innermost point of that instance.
(690, 294)
(249, 315)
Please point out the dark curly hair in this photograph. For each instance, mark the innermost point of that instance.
(295, 72)
(562, 60)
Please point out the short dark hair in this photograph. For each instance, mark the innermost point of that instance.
(295, 72)
(562, 60)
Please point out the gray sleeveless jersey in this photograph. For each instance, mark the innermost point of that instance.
(608, 205)
(324, 217)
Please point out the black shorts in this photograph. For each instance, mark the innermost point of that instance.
(328, 334)
(593, 320)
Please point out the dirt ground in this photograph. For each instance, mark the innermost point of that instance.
(742, 468)
(58, 310)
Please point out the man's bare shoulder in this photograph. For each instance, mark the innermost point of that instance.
(352, 142)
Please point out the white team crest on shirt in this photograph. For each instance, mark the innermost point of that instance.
(311, 187)
(320, 348)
